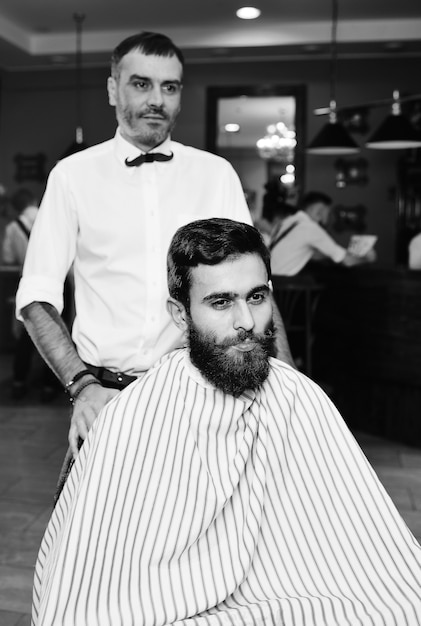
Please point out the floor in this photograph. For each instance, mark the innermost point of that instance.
(32, 445)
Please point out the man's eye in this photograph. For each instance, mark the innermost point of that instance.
(220, 304)
(172, 88)
(257, 298)
(140, 84)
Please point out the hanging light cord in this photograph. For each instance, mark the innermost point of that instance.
(333, 60)
(79, 18)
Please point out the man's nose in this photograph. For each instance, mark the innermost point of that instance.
(243, 319)
(155, 97)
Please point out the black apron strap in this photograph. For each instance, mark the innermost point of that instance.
(281, 236)
(22, 226)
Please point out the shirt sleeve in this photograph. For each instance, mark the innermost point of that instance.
(323, 242)
(51, 248)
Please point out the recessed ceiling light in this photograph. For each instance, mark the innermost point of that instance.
(248, 13)
(232, 128)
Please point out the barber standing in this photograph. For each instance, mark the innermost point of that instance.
(112, 210)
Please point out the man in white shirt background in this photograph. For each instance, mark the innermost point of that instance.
(302, 237)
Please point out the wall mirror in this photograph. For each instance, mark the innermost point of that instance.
(261, 131)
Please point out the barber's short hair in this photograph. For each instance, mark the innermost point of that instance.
(313, 197)
(147, 43)
(209, 242)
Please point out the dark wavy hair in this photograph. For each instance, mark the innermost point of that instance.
(209, 242)
(313, 197)
(148, 43)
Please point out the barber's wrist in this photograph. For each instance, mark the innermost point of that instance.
(78, 376)
(77, 388)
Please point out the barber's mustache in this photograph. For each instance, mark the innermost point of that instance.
(156, 111)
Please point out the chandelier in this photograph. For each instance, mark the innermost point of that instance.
(278, 143)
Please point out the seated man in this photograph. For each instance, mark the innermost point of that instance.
(302, 237)
(231, 493)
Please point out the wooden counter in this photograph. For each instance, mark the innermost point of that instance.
(367, 347)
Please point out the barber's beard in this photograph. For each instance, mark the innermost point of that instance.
(229, 370)
(146, 133)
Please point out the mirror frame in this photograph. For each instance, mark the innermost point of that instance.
(299, 92)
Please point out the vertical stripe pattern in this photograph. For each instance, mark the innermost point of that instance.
(190, 507)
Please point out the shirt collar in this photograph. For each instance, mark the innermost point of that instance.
(125, 150)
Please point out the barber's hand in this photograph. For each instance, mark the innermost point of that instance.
(86, 407)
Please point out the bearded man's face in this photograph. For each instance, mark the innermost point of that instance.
(230, 326)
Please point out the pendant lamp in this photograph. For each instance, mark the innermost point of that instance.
(79, 143)
(333, 137)
(396, 132)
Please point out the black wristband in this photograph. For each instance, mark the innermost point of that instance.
(75, 378)
(93, 381)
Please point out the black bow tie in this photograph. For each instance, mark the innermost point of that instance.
(148, 158)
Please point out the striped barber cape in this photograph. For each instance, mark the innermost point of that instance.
(190, 507)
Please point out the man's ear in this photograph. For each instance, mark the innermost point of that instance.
(111, 87)
(178, 313)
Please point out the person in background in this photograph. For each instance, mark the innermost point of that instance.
(111, 210)
(15, 244)
(275, 207)
(16, 234)
(414, 250)
(224, 487)
(302, 237)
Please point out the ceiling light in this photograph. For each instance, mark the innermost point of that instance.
(248, 13)
(279, 142)
(232, 128)
(333, 137)
(396, 132)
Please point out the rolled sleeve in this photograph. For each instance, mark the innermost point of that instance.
(322, 242)
(39, 289)
(51, 247)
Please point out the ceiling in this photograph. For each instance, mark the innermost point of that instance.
(41, 33)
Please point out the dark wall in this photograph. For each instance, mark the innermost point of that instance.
(38, 115)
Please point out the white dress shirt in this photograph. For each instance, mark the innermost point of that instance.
(189, 507)
(116, 223)
(296, 249)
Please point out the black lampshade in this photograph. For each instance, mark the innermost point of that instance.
(395, 133)
(333, 139)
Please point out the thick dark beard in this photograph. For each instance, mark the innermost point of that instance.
(232, 373)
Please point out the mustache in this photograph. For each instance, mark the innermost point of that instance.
(244, 335)
(153, 110)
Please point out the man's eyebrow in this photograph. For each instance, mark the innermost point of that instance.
(148, 79)
(264, 287)
(138, 77)
(231, 295)
(220, 295)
